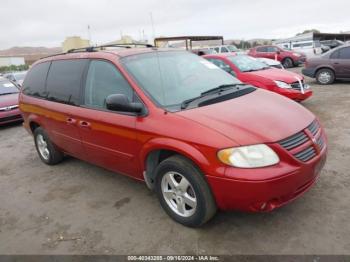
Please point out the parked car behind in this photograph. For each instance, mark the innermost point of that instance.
(9, 111)
(16, 77)
(332, 65)
(225, 49)
(196, 135)
(287, 58)
(332, 43)
(253, 72)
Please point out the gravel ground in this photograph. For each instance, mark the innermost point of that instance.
(78, 208)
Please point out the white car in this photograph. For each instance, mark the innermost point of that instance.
(225, 49)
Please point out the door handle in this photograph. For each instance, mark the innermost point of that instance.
(336, 63)
(70, 121)
(84, 124)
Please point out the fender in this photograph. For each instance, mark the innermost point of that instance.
(174, 145)
(180, 147)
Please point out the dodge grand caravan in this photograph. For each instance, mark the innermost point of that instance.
(193, 133)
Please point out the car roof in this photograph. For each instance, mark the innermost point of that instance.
(115, 53)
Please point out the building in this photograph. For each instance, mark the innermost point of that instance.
(74, 42)
(311, 37)
(125, 39)
(11, 60)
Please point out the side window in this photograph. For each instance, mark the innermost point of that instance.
(261, 49)
(272, 49)
(34, 83)
(217, 49)
(224, 50)
(104, 79)
(64, 81)
(344, 53)
(335, 55)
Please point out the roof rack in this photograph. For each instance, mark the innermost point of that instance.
(101, 47)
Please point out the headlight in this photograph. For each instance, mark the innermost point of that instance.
(296, 54)
(282, 84)
(249, 156)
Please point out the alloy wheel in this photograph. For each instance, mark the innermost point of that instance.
(179, 195)
(42, 147)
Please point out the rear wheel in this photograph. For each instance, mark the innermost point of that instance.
(325, 76)
(183, 192)
(288, 63)
(48, 153)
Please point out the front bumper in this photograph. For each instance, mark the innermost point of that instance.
(235, 192)
(7, 117)
(295, 94)
(310, 72)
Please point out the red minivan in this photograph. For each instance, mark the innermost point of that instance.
(251, 71)
(197, 136)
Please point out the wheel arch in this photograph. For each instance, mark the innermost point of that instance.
(159, 149)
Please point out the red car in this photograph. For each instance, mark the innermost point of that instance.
(251, 71)
(286, 57)
(197, 136)
(9, 111)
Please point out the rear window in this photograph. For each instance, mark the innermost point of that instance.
(64, 81)
(34, 83)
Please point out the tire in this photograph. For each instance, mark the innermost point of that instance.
(191, 188)
(48, 152)
(325, 76)
(288, 62)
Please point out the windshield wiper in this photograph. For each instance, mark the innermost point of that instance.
(2, 94)
(214, 90)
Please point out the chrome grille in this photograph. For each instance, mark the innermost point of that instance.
(296, 85)
(306, 153)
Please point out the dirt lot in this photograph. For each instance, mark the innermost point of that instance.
(77, 208)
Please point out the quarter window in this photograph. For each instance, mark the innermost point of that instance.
(64, 81)
(103, 79)
(344, 53)
(34, 83)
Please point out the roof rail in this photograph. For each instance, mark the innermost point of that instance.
(101, 47)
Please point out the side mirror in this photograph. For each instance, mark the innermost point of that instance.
(120, 102)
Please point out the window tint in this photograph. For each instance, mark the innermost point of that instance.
(272, 49)
(64, 80)
(34, 83)
(261, 49)
(104, 79)
(335, 55)
(217, 49)
(344, 53)
(224, 50)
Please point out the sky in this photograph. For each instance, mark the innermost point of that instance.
(48, 22)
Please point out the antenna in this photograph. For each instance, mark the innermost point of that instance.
(89, 34)
(152, 23)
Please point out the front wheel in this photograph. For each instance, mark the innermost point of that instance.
(183, 192)
(288, 63)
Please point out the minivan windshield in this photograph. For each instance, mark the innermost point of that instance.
(247, 64)
(6, 88)
(171, 77)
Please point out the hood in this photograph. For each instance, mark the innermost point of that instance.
(8, 100)
(277, 74)
(258, 117)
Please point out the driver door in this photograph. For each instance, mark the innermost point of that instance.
(108, 137)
